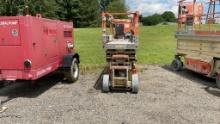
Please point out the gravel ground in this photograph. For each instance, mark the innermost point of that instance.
(164, 97)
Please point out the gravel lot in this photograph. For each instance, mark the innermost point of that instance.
(164, 97)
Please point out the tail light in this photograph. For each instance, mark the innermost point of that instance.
(70, 45)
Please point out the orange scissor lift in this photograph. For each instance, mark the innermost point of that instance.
(120, 40)
(198, 38)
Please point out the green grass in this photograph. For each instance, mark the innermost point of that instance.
(157, 46)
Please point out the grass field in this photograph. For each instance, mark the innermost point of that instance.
(157, 46)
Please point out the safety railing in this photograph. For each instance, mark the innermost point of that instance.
(203, 24)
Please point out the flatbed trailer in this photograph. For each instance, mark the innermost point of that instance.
(198, 49)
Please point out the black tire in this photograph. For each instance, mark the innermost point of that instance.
(177, 65)
(2, 84)
(72, 74)
(218, 81)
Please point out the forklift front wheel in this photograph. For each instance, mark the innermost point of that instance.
(72, 74)
(135, 82)
(177, 65)
(218, 81)
(105, 83)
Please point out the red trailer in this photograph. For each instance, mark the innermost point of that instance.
(32, 47)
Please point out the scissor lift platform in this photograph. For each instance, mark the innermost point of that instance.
(120, 45)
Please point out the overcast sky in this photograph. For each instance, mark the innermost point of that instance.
(148, 7)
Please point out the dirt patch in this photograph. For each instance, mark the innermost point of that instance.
(164, 97)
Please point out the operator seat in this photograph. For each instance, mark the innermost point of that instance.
(119, 31)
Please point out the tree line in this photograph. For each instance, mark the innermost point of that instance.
(155, 19)
(83, 13)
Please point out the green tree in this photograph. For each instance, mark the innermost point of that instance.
(104, 4)
(152, 20)
(168, 16)
(9, 7)
(117, 6)
(82, 12)
(113, 5)
(17, 7)
(89, 15)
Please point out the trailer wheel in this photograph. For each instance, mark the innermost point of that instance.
(2, 84)
(177, 65)
(218, 81)
(134, 84)
(72, 74)
(105, 83)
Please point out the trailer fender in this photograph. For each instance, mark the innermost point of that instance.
(77, 57)
(68, 59)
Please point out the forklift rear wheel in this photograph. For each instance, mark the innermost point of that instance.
(218, 81)
(72, 74)
(105, 83)
(135, 82)
(177, 65)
